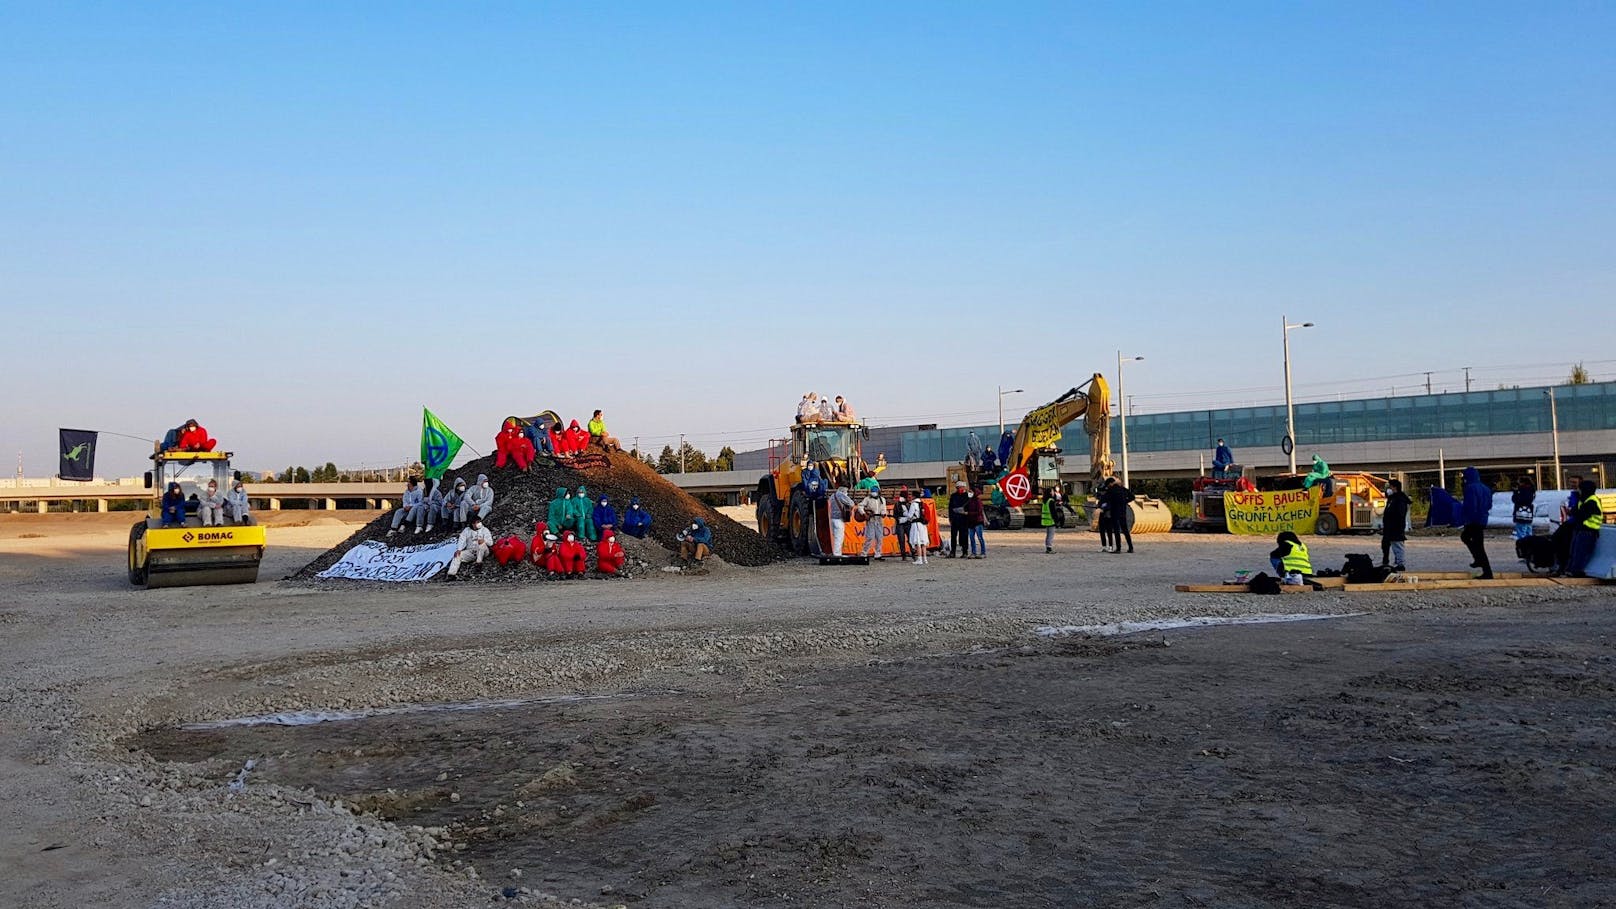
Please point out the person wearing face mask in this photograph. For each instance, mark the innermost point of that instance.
(609, 555)
(583, 515)
(411, 509)
(636, 520)
(573, 557)
(236, 506)
(478, 500)
(173, 506)
(604, 516)
(454, 512)
(210, 507)
(433, 498)
(695, 542)
(475, 544)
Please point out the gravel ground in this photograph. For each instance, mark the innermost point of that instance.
(89, 818)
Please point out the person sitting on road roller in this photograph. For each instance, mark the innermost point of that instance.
(599, 435)
(1222, 460)
(695, 542)
(411, 509)
(236, 506)
(604, 516)
(508, 549)
(609, 555)
(478, 500)
(475, 544)
(193, 437)
(636, 520)
(1290, 558)
(512, 445)
(577, 438)
(574, 558)
(559, 510)
(210, 507)
(173, 506)
(1586, 522)
(584, 515)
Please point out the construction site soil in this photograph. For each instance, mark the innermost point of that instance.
(523, 497)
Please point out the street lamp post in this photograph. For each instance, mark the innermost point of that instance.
(1002, 393)
(1554, 434)
(1122, 415)
(1290, 412)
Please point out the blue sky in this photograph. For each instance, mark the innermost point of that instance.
(300, 222)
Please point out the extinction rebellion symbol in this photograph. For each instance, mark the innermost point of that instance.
(437, 448)
(1017, 488)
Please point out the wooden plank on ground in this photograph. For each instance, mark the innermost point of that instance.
(1465, 575)
(1469, 584)
(1580, 582)
(1232, 588)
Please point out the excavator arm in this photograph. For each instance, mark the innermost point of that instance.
(1041, 427)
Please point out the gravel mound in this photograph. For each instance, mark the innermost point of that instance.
(522, 498)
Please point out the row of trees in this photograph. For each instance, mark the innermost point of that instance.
(695, 460)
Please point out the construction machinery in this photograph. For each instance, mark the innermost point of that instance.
(190, 554)
(1357, 501)
(1035, 453)
(796, 517)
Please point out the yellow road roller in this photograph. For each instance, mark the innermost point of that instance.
(175, 550)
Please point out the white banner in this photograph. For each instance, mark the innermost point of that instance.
(373, 561)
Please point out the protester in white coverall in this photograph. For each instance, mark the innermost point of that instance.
(236, 506)
(451, 504)
(412, 508)
(210, 506)
(474, 545)
(841, 508)
(478, 500)
(875, 526)
(434, 504)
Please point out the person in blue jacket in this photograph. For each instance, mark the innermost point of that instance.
(1478, 501)
(539, 435)
(813, 484)
(173, 507)
(605, 516)
(1222, 460)
(636, 520)
(1007, 442)
(695, 542)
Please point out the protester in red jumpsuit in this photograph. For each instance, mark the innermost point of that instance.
(512, 445)
(574, 557)
(609, 555)
(558, 440)
(509, 549)
(577, 438)
(194, 438)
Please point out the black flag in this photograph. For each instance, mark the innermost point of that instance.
(78, 454)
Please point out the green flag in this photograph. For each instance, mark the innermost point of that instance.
(439, 445)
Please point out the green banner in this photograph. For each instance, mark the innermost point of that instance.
(439, 445)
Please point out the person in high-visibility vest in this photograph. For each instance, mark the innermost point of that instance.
(1290, 555)
(1586, 522)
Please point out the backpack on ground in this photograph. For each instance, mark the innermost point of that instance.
(1264, 583)
(1360, 568)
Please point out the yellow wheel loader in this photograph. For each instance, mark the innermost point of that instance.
(184, 553)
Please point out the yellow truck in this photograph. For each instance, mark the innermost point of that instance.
(187, 553)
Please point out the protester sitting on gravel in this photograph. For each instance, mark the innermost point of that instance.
(604, 516)
(695, 542)
(539, 434)
(173, 506)
(478, 499)
(411, 508)
(584, 515)
(558, 441)
(210, 507)
(609, 555)
(574, 558)
(577, 438)
(559, 509)
(509, 549)
(236, 506)
(636, 520)
(542, 551)
(475, 543)
(1290, 558)
(513, 445)
(451, 513)
(599, 435)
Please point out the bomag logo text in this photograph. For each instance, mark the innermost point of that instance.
(215, 536)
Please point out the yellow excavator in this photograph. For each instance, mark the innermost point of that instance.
(1034, 452)
(186, 553)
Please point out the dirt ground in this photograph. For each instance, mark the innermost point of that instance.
(797, 735)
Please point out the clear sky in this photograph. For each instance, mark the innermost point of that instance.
(299, 222)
